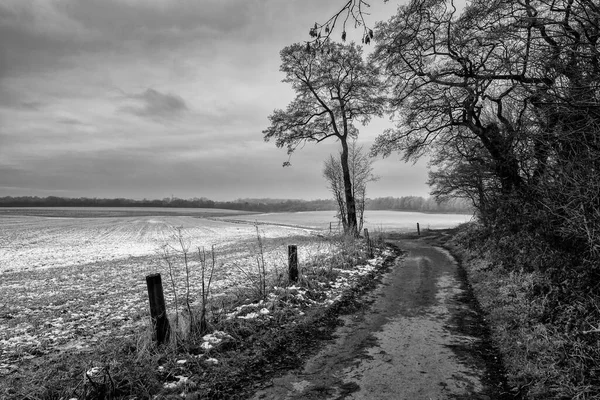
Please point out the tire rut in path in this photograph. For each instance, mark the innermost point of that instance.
(421, 338)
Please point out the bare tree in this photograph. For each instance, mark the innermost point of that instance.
(333, 173)
(361, 173)
(519, 77)
(334, 88)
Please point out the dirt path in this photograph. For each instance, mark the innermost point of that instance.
(421, 338)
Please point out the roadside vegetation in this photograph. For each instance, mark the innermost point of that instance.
(225, 339)
(544, 322)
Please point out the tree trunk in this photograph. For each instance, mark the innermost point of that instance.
(350, 203)
(506, 165)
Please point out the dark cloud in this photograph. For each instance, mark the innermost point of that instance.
(43, 34)
(69, 121)
(150, 19)
(10, 101)
(31, 105)
(153, 104)
(35, 36)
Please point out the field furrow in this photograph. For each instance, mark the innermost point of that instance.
(30, 243)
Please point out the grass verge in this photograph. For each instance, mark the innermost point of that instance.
(548, 352)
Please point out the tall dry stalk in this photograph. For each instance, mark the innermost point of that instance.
(185, 251)
(262, 270)
(171, 266)
(182, 247)
(205, 286)
(258, 279)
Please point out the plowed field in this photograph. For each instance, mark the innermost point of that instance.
(28, 243)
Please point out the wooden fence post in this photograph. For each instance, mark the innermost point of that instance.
(418, 229)
(158, 310)
(368, 241)
(293, 263)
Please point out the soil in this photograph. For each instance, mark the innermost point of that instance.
(419, 335)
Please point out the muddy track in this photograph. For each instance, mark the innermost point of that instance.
(421, 337)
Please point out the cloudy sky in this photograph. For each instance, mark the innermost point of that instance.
(153, 98)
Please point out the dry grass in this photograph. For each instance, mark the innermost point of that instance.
(544, 358)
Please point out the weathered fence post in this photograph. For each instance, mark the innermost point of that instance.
(418, 229)
(158, 310)
(329, 226)
(368, 241)
(293, 263)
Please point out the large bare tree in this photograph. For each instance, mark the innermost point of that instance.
(521, 78)
(334, 89)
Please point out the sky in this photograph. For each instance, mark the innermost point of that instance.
(160, 98)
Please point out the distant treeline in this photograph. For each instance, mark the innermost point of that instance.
(417, 203)
(408, 203)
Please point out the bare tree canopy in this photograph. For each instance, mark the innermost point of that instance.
(497, 69)
(354, 13)
(334, 88)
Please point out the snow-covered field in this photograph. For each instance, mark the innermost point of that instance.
(29, 243)
(70, 282)
(382, 220)
(78, 277)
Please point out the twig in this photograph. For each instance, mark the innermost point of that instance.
(262, 258)
(170, 265)
(212, 270)
(597, 330)
(205, 286)
(184, 250)
(112, 383)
